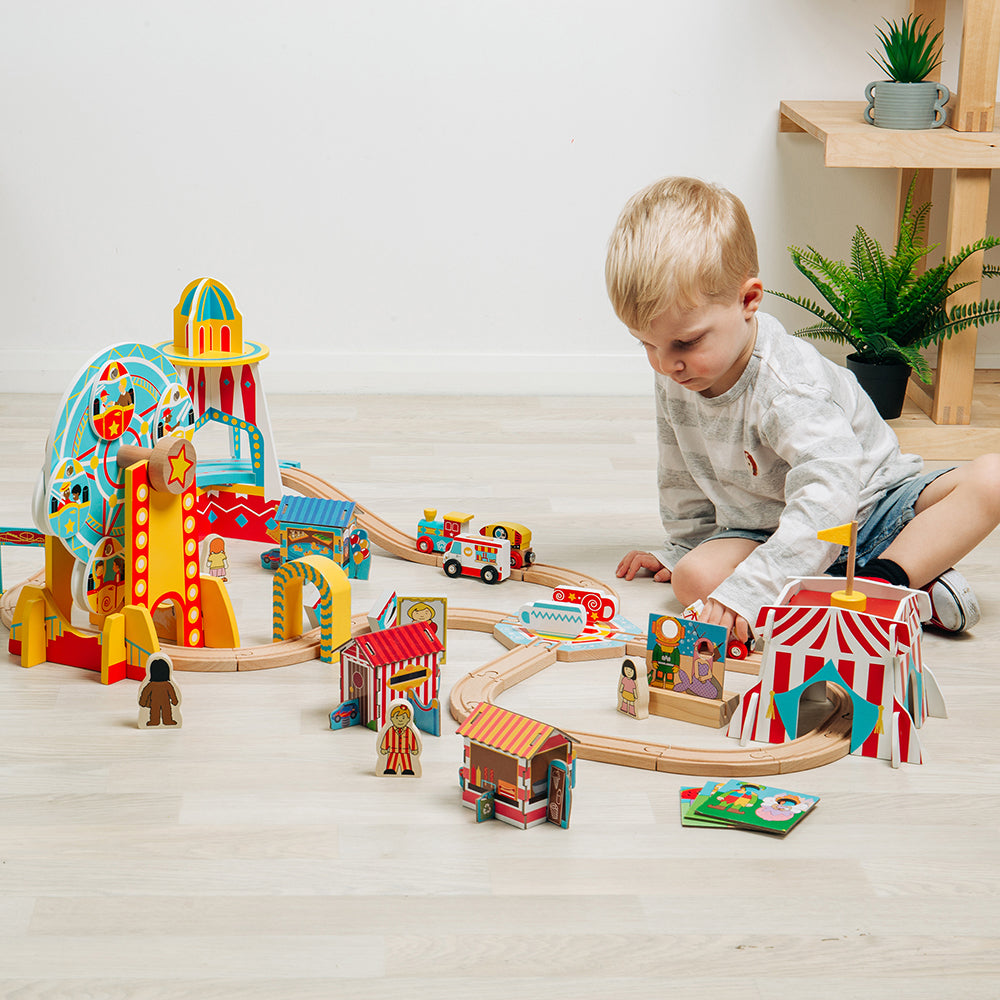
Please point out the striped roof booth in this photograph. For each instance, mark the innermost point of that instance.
(400, 662)
(509, 755)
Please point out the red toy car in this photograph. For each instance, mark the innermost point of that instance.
(344, 715)
(271, 558)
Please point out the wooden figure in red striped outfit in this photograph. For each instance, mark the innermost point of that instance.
(399, 743)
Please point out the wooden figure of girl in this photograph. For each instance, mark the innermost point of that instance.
(633, 691)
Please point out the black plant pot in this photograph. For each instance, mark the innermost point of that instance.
(886, 384)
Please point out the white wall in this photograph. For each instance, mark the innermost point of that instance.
(403, 196)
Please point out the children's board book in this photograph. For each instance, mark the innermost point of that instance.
(690, 796)
(748, 805)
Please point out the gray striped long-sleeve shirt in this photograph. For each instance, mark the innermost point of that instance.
(793, 447)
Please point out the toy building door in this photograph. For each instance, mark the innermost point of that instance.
(427, 718)
(485, 807)
(359, 680)
(560, 794)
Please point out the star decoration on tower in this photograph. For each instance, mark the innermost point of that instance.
(180, 464)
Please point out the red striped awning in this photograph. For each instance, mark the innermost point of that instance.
(394, 645)
(850, 633)
(506, 731)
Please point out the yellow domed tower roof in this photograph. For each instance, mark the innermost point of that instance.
(208, 328)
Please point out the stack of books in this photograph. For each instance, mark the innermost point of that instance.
(744, 805)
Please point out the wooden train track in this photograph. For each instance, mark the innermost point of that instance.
(828, 742)
(400, 544)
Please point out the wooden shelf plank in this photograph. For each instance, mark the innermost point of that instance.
(849, 141)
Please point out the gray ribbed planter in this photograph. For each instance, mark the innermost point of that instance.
(906, 105)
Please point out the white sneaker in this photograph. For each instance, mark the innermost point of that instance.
(954, 607)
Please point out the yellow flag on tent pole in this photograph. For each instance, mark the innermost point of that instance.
(845, 534)
(841, 535)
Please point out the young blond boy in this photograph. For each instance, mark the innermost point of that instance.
(763, 441)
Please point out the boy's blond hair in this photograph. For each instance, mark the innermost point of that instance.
(679, 243)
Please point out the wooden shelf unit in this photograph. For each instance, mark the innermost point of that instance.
(968, 146)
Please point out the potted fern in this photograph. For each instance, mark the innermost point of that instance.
(885, 309)
(907, 100)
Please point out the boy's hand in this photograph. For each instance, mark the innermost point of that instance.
(635, 561)
(718, 614)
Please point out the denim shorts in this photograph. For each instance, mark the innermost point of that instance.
(885, 521)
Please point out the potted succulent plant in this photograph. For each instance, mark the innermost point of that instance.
(907, 100)
(885, 309)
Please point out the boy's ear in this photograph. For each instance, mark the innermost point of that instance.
(751, 296)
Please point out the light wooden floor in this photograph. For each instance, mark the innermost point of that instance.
(253, 854)
(918, 433)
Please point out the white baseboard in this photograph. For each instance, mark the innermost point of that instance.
(421, 374)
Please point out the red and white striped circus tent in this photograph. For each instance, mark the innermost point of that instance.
(875, 655)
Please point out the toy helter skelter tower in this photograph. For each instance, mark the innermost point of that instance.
(219, 370)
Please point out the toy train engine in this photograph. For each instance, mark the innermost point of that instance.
(521, 553)
(435, 535)
(474, 555)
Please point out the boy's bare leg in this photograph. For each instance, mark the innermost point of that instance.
(706, 566)
(702, 570)
(953, 515)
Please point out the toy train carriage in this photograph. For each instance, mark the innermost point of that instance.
(435, 535)
(521, 553)
(510, 756)
(875, 656)
(474, 555)
(599, 607)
